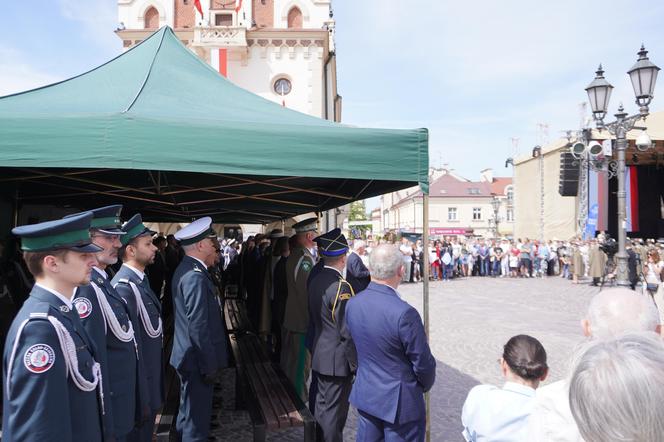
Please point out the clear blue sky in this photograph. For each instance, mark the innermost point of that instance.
(475, 73)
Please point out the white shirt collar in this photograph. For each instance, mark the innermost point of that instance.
(336, 270)
(140, 274)
(388, 286)
(202, 263)
(519, 388)
(101, 272)
(61, 297)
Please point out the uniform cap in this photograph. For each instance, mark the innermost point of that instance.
(106, 219)
(196, 231)
(72, 233)
(332, 243)
(307, 225)
(276, 233)
(134, 228)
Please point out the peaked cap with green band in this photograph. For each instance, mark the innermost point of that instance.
(106, 219)
(196, 231)
(133, 229)
(71, 233)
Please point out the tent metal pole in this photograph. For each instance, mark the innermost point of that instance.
(47, 175)
(425, 294)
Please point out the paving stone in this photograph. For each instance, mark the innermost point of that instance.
(470, 320)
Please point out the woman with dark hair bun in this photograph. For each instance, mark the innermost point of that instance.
(501, 414)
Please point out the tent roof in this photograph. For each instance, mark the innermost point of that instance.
(162, 131)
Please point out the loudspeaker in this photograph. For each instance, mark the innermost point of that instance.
(568, 184)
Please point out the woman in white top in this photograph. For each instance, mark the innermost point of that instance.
(492, 414)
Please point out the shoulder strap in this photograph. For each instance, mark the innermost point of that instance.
(340, 296)
(112, 320)
(143, 313)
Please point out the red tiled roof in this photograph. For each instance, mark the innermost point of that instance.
(499, 184)
(449, 186)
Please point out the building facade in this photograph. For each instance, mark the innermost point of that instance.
(457, 206)
(282, 50)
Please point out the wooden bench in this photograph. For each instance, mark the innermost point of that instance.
(264, 390)
(235, 314)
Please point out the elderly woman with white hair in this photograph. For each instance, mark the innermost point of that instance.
(617, 389)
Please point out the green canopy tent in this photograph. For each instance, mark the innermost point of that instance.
(160, 131)
(163, 132)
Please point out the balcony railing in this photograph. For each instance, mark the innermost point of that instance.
(221, 36)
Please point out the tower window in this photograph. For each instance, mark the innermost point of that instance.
(295, 18)
(223, 20)
(282, 86)
(151, 18)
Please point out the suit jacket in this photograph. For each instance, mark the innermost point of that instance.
(333, 349)
(357, 273)
(298, 265)
(199, 343)
(43, 403)
(119, 365)
(395, 364)
(150, 349)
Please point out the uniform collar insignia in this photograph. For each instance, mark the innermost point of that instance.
(100, 281)
(196, 269)
(64, 309)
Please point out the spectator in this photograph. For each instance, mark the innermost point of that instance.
(611, 313)
(407, 252)
(617, 389)
(395, 364)
(156, 272)
(494, 414)
(597, 262)
(356, 272)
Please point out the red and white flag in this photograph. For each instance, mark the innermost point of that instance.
(197, 5)
(238, 6)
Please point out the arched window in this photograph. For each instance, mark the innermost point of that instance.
(295, 18)
(151, 18)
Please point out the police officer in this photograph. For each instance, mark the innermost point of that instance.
(145, 313)
(334, 359)
(199, 343)
(51, 378)
(105, 316)
(295, 358)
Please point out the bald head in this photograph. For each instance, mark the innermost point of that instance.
(620, 310)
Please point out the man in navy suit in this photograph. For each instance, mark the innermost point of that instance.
(395, 364)
(357, 273)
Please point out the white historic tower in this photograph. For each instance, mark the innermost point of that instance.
(282, 50)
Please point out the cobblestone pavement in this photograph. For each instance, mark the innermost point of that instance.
(470, 321)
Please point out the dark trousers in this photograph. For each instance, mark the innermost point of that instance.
(372, 429)
(193, 422)
(313, 392)
(332, 406)
(485, 268)
(144, 432)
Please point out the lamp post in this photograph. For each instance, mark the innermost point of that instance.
(643, 76)
(495, 203)
(537, 153)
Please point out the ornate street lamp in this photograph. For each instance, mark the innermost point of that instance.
(495, 203)
(643, 76)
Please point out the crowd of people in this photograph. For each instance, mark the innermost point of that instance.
(575, 259)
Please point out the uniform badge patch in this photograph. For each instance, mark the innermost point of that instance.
(64, 309)
(83, 307)
(39, 358)
(306, 266)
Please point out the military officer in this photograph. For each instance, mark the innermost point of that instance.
(145, 313)
(51, 377)
(105, 316)
(295, 358)
(334, 359)
(199, 343)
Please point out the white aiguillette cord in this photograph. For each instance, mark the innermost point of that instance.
(112, 320)
(71, 359)
(142, 311)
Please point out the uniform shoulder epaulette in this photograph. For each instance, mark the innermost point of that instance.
(345, 290)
